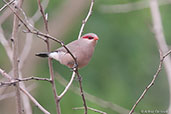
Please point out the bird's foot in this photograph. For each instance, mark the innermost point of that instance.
(75, 67)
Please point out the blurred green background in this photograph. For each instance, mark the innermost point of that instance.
(125, 59)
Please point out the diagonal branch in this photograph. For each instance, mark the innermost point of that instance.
(161, 41)
(3, 7)
(12, 94)
(86, 19)
(76, 69)
(38, 33)
(152, 82)
(50, 61)
(67, 86)
(100, 102)
(25, 92)
(34, 101)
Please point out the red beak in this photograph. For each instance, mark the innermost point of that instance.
(96, 38)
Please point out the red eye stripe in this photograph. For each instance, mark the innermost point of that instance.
(88, 37)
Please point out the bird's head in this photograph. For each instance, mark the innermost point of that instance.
(90, 37)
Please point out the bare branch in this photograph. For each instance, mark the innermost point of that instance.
(38, 33)
(15, 40)
(76, 69)
(160, 38)
(33, 78)
(81, 91)
(25, 52)
(25, 92)
(30, 22)
(86, 19)
(37, 15)
(25, 100)
(34, 101)
(68, 86)
(152, 82)
(43, 15)
(3, 73)
(12, 94)
(6, 5)
(50, 61)
(17, 80)
(93, 99)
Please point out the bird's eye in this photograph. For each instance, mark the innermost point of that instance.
(90, 37)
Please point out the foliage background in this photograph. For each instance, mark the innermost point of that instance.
(124, 62)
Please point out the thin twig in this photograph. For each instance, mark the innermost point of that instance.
(86, 19)
(38, 33)
(152, 82)
(50, 61)
(81, 91)
(33, 78)
(25, 52)
(25, 92)
(3, 7)
(35, 31)
(53, 38)
(3, 73)
(161, 41)
(34, 101)
(67, 86)
(76, 70)
(94, 99)
(12, 94)
(13, 82)
(15, 40)
(95, 110)
(44, 17)
(37, 14)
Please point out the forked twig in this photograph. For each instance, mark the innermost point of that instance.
(76, 70)
(152, 82)
(50, 60)
(38, 33)
(15, 81)
(25, 92)
(3, 7)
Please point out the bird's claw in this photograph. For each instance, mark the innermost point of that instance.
(75, 67)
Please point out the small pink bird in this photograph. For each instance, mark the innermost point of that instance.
(82, 49)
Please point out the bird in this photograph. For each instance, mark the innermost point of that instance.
(82, 49)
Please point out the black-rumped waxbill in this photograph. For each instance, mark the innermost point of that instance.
(82, 49)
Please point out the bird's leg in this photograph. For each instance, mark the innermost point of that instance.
(75, 66)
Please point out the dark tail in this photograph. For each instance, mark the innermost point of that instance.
(42, 54)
